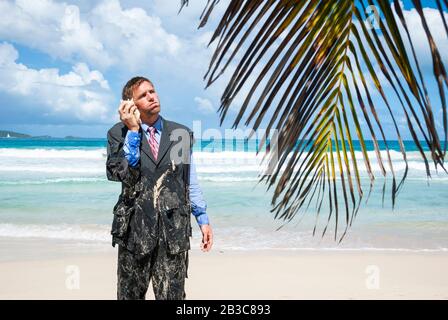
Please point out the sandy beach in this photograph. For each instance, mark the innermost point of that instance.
(52, 270)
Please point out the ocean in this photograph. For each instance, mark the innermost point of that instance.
(57, 190)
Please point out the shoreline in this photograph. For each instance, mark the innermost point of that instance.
(256, 274)
(37, 248)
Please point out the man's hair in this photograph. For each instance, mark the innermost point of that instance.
(129, 87)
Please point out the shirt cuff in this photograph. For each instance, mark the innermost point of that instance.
(202, 219)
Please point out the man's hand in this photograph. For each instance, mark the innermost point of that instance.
(207, 237)
(129, 115)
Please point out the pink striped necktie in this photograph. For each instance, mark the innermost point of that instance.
(153, 144)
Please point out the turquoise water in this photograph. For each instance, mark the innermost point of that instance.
(201, 145)
(57, 189)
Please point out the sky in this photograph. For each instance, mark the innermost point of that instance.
(63, 63)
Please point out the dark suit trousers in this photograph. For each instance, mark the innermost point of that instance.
(166, 271)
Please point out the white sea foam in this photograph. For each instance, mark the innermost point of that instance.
(52, 169)
(228, 238)
(228, 179)
(56, 180)
(92, 162)
(63, 232)
(97, 153)
(100, 153)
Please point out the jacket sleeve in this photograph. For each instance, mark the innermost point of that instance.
(117, 166)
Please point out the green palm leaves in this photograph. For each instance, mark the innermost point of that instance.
(316, 73)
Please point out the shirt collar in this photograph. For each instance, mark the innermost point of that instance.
(158, 125)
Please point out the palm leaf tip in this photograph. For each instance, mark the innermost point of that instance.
(182, 4)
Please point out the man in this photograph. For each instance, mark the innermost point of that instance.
(159, 190)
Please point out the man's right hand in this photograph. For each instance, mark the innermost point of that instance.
(126, 111)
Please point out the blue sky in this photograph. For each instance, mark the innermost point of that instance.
(64, 62)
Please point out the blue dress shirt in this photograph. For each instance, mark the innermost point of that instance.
(131, 150)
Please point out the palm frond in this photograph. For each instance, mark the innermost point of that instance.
(309, 67)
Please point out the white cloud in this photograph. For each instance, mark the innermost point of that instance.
(81, 94)
(8, 55)
(106, 36)
(419, 38)
(133, 36)
(204, 105)
(117, 35)
(53, 28)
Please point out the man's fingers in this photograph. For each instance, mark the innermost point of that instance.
(208, 237)
(127, 106)
(210, 241)
(132, 109)
(127, 116)
(204, 243)
(121, 107)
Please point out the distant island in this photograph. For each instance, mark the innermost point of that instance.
(12, 134)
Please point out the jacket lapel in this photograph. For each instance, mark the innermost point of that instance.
(165, 141)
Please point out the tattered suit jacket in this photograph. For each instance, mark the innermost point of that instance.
(154, 201)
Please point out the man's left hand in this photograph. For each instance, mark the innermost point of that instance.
(207, 237)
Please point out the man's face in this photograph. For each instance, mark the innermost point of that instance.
(146, 99)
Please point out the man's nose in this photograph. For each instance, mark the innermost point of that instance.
(150, 96)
